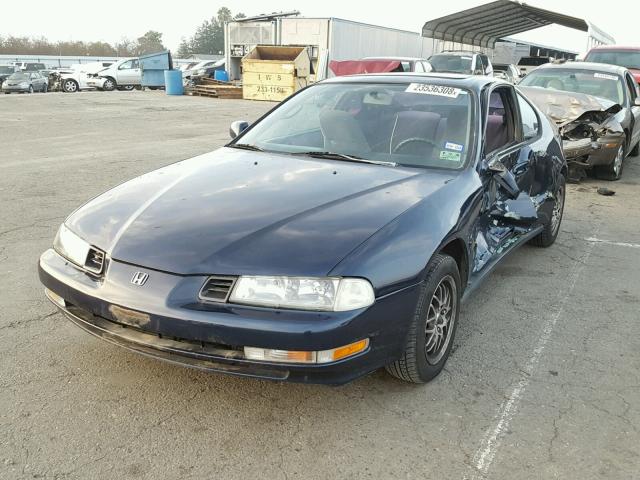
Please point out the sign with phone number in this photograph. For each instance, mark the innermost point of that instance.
(439, 90)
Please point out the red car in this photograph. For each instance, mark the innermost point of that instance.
(628, 57)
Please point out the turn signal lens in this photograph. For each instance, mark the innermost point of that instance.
(343, 352)
(295, 356)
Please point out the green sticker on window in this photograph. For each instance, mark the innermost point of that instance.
(450, 156)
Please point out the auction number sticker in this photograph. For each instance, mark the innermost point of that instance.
(439, 90)
(605, 76)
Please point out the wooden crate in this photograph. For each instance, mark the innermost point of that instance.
(273, 73)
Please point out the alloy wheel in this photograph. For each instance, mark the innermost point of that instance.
(617, 163)
(556, 215)
(70, 86)
(441, 316)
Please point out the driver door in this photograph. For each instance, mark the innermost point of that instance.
(507, 213)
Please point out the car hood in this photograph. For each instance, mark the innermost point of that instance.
(241, 212)
(566, 107)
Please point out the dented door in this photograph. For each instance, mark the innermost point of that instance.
(508, 172)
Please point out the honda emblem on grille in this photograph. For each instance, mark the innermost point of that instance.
(139, 278)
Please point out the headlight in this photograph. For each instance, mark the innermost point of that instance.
(327, 294)
(71, 246)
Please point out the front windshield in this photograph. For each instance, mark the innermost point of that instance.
(628, 59)
(598, 84)
(4, 70)
(19, 76)
(452, 63)
(416, 124)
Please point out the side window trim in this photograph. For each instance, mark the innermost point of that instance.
(511, 111)
(526, 141)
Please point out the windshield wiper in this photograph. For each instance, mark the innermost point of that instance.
(342, 156)
(245, 146)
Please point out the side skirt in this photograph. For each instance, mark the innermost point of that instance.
(477, 278)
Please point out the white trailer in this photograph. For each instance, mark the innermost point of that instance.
(326, 39)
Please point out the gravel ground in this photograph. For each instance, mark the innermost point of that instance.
(544, 381)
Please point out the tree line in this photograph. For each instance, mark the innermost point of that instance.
(208, 39)
(209, 36)
(150, 42)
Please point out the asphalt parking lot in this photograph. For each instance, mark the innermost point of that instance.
(544, 381)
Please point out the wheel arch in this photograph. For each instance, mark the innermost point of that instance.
(457, 249)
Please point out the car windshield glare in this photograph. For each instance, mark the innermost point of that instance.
(599, 84)
(19, 76)
(4, 70)
(451, 63)
(417, 124)
(622, 58)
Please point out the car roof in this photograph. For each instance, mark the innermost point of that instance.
(597, 67)
(400, 59)
(470, 82)
(614, 47)
(457, 52)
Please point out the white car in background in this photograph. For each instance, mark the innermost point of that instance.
(124, 74)
(74, 78)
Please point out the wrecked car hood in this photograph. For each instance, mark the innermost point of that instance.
(566, 107)
(582, 119)
(241, 212)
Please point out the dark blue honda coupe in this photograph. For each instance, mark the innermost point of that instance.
(335, 236)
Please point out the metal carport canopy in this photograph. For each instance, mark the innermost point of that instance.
(482, 26)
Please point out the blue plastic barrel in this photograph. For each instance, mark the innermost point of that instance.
(173, 82)
(221, 75)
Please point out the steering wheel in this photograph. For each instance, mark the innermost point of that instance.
(411, 140)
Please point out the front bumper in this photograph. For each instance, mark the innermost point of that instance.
(588, 153)
(165, 320)
(95, 82)
(14, 88)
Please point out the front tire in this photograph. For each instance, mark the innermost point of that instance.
(30, 88)
(70, 86)
(635, 151)
(548, 236)
(433, 327)
(613, 171)
(109, 85)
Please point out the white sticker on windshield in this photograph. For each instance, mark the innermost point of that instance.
(605, 75)
(439, 90)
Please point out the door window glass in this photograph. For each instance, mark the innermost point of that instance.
(529, 119)
(500, 131)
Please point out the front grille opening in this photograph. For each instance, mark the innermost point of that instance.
(95, 260)
(217, 289)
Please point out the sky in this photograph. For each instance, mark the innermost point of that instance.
(127, 18)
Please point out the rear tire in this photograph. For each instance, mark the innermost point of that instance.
(635, 151)
(548, 236)
(433, 326)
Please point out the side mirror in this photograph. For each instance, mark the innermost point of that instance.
(495, 166)
(503, 177)
(237, 128)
